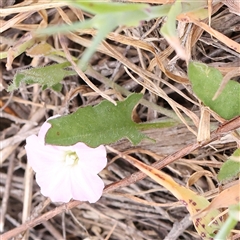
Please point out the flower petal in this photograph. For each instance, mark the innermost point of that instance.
(56, 183)
(86, 187)
(40, 156)
(60, 181)
(43, 130)
(91, 159)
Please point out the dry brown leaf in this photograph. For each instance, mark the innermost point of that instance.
(191, 200)
(41, 49)
(195, 176)
(204, 126)
(226, 198)
(225, 70)
(169, 74)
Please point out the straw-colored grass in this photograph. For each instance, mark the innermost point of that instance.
(129, 60)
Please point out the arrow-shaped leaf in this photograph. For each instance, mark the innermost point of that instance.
(102, 124)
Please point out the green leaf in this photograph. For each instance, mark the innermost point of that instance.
(230, 223)
(206, 81)
(48, 77)
(102, 124)
(169, 28)
(234, 211)
(57, 87)
(231, 168)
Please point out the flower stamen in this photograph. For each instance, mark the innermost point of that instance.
(71, 158)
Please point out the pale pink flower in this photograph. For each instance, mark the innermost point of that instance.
(65, 173)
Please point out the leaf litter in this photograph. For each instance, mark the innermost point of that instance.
(132, 204)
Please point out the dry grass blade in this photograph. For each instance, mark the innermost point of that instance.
(81, 73)
(226, 78)
(221, 37)
(233, 6)
(32, 7)
(130, 59)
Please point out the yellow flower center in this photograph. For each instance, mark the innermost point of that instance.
(71, 158)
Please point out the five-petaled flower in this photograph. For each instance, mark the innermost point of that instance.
(65, 173)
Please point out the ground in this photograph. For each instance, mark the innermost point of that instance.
(131, 59)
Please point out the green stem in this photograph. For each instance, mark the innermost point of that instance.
(154, 125)
(226, 228)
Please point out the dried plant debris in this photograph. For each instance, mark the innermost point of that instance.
(185, 138)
